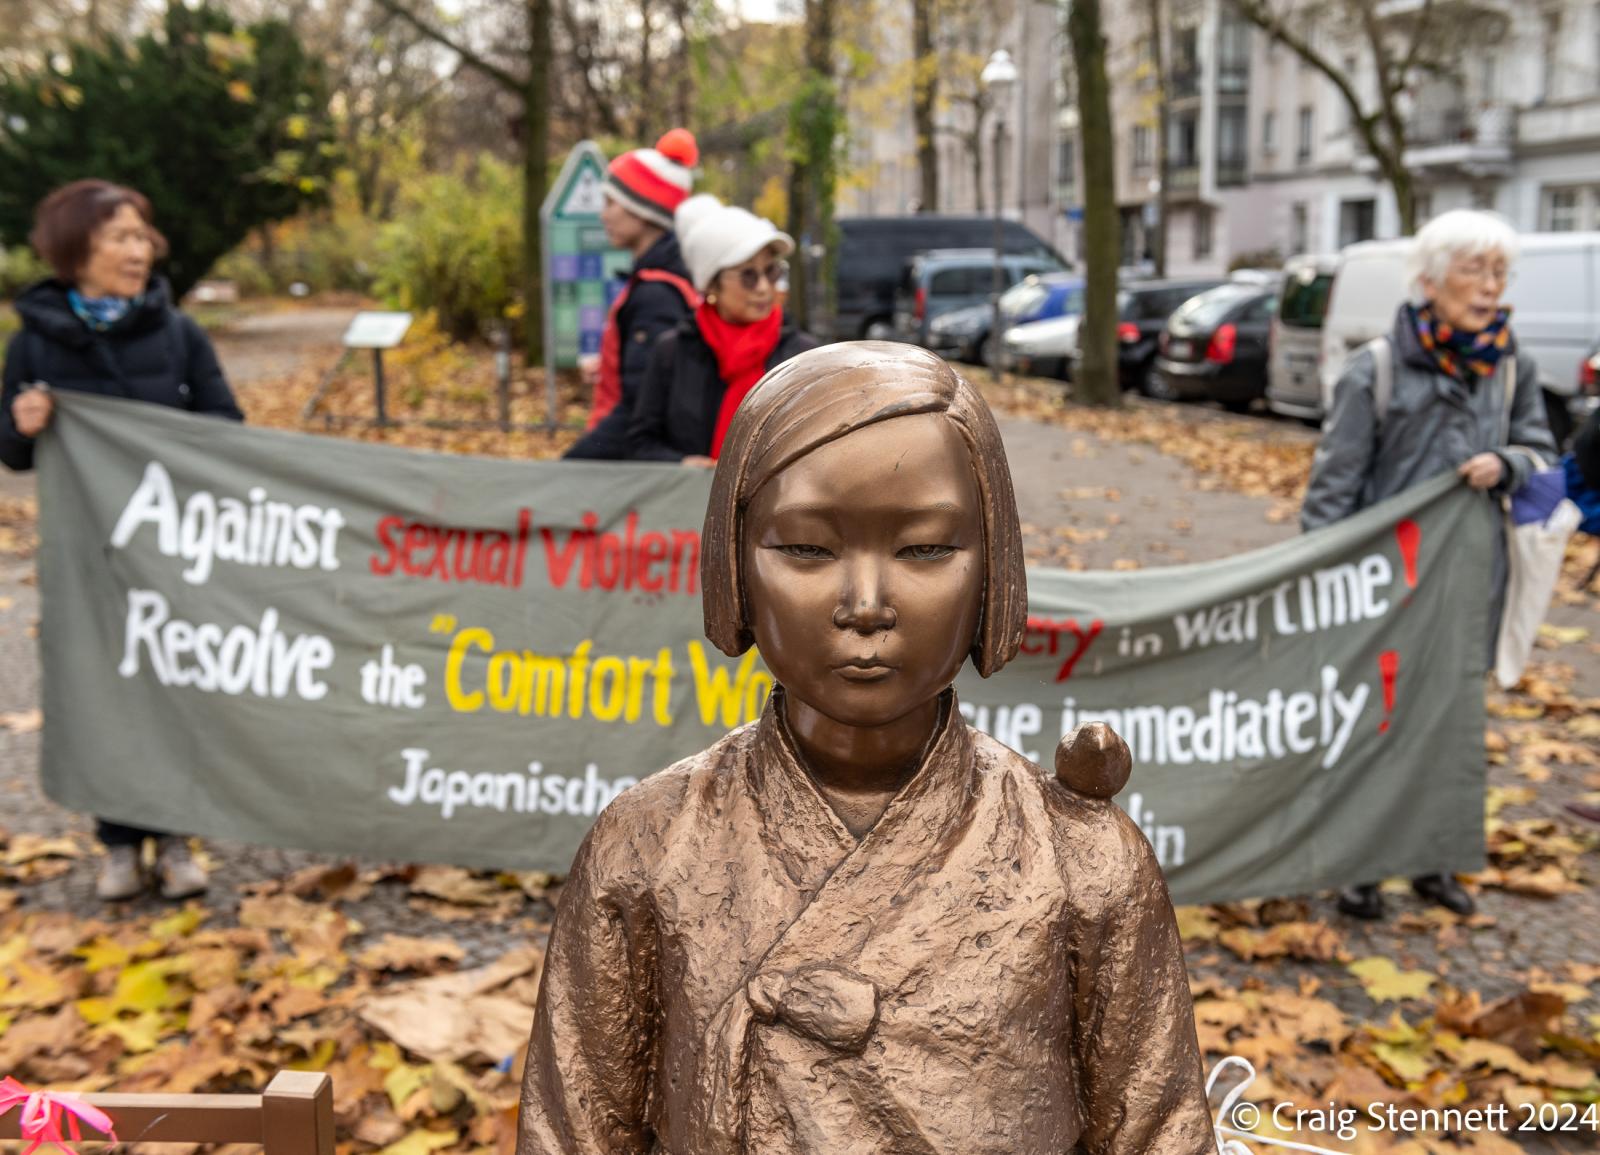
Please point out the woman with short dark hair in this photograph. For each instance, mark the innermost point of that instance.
(105, 323)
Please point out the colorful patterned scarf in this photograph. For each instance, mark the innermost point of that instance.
(100, 313)
(1460, 353)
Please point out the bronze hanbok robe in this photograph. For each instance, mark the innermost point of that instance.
(994, 969)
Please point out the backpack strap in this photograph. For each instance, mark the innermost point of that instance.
(1382, 377)
(691, 295)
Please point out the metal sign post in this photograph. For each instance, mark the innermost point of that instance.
(368, 330)
(580, 266)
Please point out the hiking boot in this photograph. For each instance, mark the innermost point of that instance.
(179, 874)
(121, 874)
(1443, 890)
(1361, 902)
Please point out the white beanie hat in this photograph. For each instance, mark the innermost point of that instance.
(715, 236)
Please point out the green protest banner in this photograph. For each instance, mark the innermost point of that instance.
(301, 641)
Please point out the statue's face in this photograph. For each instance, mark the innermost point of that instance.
(864, 570)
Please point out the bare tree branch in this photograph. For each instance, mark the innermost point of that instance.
(1263, 16)
(472, 59)
(1419, 36)
(582, 41)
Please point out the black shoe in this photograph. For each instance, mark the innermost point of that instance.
(1443, 890)
(1361, 902)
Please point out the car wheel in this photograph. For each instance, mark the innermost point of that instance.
(1154, 385)
(988, 347)
(878, 331)
(1236, 406)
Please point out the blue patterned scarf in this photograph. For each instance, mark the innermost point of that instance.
(100, 313)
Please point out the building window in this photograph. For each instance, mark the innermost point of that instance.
(1422, 207)
(1358, 221)
(1067, 170)
(1204, 227)
(1299, 228)
(1303, 145)
(1143, 147)
(1482, 197)
(1269, 132)
(1233, 56)
(1184, 145)
(1563, 210)
(1232, 145)
(1184, 72)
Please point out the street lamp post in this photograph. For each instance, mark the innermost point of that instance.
(999, 75)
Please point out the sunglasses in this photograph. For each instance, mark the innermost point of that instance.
(775, 274)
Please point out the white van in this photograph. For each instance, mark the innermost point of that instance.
(1554, 294)
(1294, 382)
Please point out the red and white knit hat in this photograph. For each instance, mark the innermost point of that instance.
(652, 182)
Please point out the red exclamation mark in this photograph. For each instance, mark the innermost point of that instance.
(1389, 668)
(1409, 534)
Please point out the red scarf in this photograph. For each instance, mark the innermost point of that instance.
(742, 352)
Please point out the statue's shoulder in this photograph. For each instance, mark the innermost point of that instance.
(660, 797)
(1076, 797)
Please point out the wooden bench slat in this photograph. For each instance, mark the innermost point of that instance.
(293, 1117)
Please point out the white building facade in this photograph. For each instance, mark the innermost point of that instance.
(1263, 162)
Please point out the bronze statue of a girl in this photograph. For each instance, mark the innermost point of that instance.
(858, 925)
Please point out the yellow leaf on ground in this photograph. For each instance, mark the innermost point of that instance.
(1563, 635)
(102, 954)
(138, 1034)
(178, 924)
(1584, 726)
(421, 1142)
(403, 1081)
(1500, 797)
(1411, 1063)
(1195, 923)
(33, 988)
(28, 847)
(1385, 982)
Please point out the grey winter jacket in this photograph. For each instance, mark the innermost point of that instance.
(1434, 424)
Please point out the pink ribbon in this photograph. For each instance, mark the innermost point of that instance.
(43, 1111)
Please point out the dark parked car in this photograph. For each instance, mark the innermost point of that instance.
(1215, 347)
(873, 252)
(943, 280)
(963, 334)
(1142, 312)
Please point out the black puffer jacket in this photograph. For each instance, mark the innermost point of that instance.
(652, 308)
(676, 414)
(154, 354)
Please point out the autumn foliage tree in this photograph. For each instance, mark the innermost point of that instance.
(223, 127)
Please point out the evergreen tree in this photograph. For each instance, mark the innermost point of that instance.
(224, 128)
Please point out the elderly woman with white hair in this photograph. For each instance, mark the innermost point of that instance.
(1440, 404)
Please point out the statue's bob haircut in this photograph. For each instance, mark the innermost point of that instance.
(829, 393)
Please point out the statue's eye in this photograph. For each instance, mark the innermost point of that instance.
(805, 552)
(927, 552)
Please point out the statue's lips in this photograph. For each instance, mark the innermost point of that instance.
(864, 671)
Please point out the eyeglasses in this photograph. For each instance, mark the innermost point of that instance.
(775, 274)
(1479, 270)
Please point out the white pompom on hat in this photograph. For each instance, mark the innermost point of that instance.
(715, 236)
